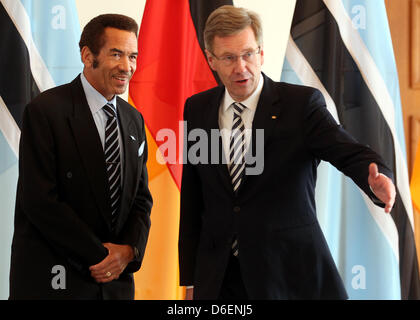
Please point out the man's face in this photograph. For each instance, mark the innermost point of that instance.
(111, 70)
(240, 77)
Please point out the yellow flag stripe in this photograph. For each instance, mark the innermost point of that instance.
(158, 278)
(415, 195)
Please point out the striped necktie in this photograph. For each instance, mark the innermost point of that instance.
(237, 155)
(112, 160)
(237, 147)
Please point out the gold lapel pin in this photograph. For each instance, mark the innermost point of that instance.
(273, 117)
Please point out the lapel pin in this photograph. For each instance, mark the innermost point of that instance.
(132, 138)
(273, 117)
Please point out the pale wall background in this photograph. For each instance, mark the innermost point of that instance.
(276, 17)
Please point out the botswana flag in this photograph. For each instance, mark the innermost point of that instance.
(38, 50)
(344, 48)
(171, 67)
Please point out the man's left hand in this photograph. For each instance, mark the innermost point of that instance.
(114, 263)
(382, 187)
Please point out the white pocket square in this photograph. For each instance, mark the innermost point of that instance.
(141, 149)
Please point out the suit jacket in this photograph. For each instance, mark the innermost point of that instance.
(63, 213)
(282, 251)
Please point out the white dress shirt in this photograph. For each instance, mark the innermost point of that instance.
(226, 116)
(96, 101)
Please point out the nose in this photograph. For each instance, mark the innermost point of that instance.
(125, 64)
(240, 65)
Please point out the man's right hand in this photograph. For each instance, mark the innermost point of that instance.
(119, 256)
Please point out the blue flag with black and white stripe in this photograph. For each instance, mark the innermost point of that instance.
(344, 48)
(38, 50)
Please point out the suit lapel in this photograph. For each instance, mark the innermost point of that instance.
(130, 169)
(90, 148)
(268, 109)
(265, 118)
(213, 123)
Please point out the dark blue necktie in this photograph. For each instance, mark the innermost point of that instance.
(112, 160)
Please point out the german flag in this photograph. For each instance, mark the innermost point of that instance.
(171, 67)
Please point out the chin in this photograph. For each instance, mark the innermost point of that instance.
(243, 96)
(120, 90)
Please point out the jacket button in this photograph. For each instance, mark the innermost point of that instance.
(69, 175)
(236, 209)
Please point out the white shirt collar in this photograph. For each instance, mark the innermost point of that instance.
(251, 102)
(94, 99)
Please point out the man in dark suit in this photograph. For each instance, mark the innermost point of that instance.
(83, 205)
(248, 229)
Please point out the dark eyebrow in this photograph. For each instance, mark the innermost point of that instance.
(233, 54)
(115, 50)
(120, 51)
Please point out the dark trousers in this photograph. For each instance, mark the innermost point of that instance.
(233, 287)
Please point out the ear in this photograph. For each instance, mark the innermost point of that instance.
(210, 60)
(262, 54)
(87, 57)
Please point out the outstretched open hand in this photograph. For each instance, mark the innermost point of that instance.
(382, 187)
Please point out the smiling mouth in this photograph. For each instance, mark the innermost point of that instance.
(122, 80)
